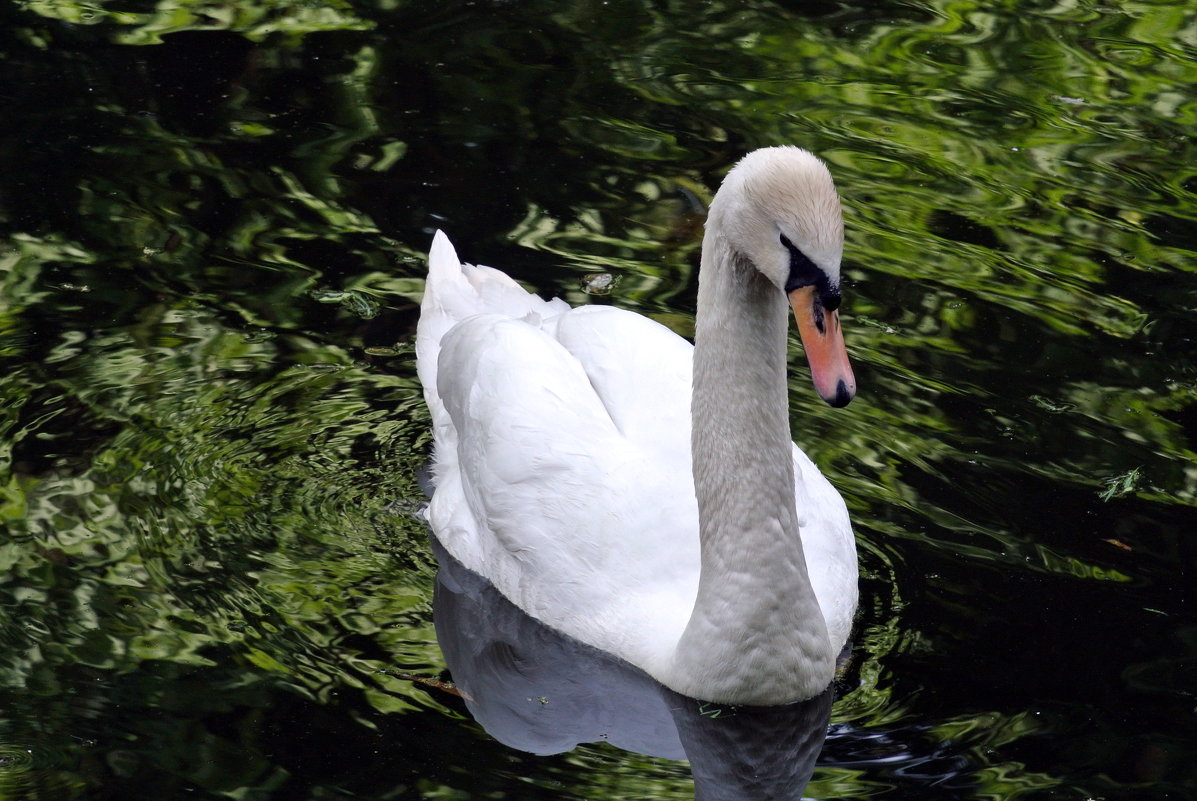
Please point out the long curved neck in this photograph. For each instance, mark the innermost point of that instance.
(756, 634)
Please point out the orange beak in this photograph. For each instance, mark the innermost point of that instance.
(824, 345)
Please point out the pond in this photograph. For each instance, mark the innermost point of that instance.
(217, 582)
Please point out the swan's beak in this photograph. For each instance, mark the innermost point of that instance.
(824, 344)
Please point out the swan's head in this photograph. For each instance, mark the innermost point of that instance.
(778, 208)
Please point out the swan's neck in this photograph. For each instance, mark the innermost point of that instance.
(756, 635)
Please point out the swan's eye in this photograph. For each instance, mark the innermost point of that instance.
(803, 271)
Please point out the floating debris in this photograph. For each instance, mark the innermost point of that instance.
(359, 303)
(1052, 406)
(1120, 485)
(869, 321)
(714, 711)
(598, 283)
(447, 687)
(407, 507)
(258, 335)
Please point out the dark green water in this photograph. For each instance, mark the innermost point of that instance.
(212, 221)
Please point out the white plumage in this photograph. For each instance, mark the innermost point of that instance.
(565, 470)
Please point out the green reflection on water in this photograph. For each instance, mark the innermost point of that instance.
(209, 473)
(255, 20)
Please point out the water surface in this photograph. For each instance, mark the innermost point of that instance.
(212, 226)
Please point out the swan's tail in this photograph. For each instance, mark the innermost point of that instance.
(454, 292)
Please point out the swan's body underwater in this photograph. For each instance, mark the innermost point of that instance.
(641, 495)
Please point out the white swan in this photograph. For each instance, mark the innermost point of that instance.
(641, 495)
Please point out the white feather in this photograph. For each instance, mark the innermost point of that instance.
(564, 473)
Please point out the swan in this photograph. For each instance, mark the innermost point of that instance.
(640, 494)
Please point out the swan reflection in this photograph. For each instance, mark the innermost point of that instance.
(537, 690)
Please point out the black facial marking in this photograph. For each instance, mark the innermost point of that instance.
(803, 272)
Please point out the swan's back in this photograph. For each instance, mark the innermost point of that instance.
(561, 441)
